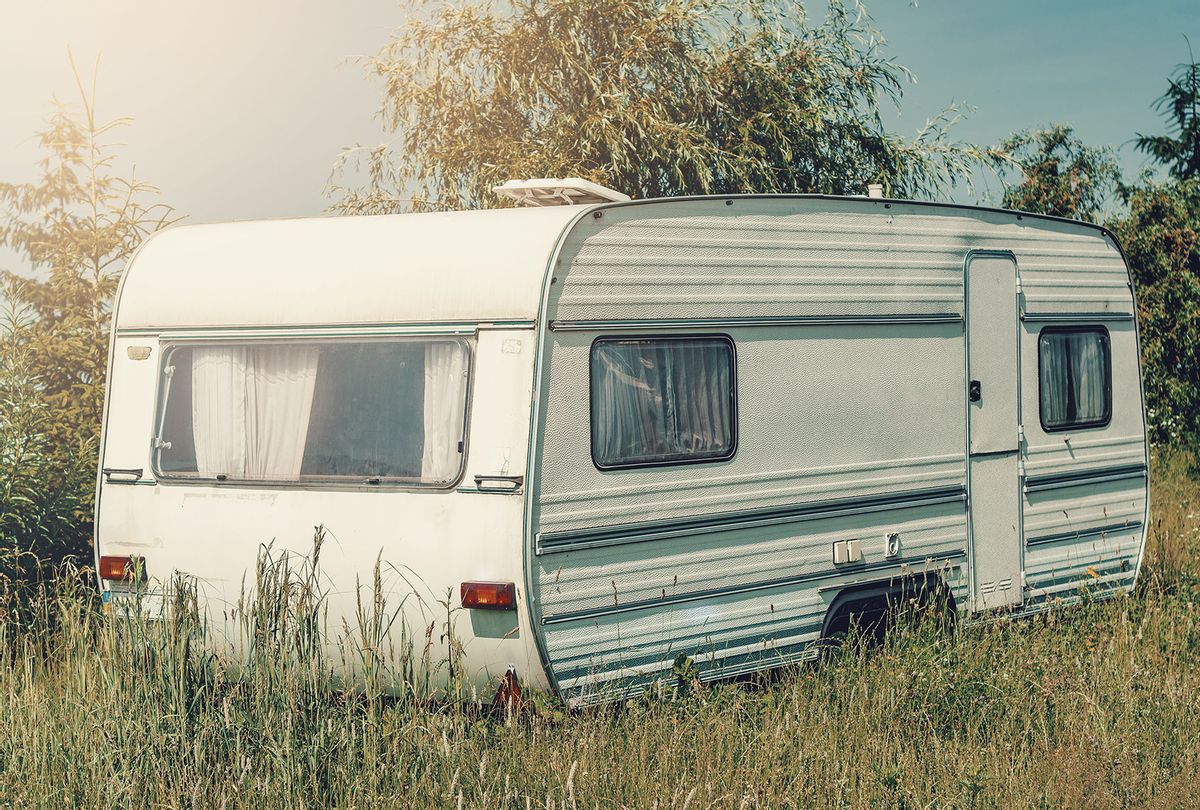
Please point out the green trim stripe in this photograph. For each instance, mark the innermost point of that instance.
(556, 542)
(200, 332)
(733, 323)
(1082, 534)
(1042, 483)
(770, 584)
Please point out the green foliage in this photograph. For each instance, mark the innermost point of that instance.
(1179, 149)
(1161, 238)
(44, 487)
(1060, 175)
(76, 225)
(651, 97)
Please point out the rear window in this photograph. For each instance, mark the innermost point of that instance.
(662, 401)
(365, 412)
(1074, 377)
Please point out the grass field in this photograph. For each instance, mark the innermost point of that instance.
(1095, 705)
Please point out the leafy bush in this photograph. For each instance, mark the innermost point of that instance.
(1161, 238)
(45, 487)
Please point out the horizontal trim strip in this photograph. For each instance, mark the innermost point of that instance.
(320, 330)
(731, 323)
(770, 584)
(1080, 535)
(1074, 317)
(555, 542)
(485, 491)
(1042, 483)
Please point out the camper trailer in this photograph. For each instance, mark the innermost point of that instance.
(602, 433)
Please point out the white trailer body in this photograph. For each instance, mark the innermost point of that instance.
(695, 426)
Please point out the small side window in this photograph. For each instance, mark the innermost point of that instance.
(1074, 377)
(657, 401)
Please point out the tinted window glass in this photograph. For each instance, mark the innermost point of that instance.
(381, 410)
(1075, 378)
(662, 401)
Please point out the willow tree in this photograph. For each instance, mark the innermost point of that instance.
(651, 97)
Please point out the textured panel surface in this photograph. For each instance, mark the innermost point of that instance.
(992, 346)
(826, 412)
(995, 531)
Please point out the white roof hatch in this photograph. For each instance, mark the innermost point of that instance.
(558, 191)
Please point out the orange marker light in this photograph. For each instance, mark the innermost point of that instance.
(122, 567)
(489, 595)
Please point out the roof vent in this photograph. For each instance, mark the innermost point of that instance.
(558, 191)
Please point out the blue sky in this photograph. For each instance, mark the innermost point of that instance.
(1095, 65)
(240, 108)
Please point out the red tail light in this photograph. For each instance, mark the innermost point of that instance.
(122, 567)
(489, 595)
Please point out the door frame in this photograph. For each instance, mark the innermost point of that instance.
(1019, 426)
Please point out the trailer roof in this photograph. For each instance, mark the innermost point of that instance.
(454, 267)
(463, 266)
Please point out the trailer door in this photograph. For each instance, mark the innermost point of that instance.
(993, 417)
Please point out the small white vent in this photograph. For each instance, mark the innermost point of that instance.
(558, 191)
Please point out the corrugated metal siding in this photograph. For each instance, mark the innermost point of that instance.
(810, 399)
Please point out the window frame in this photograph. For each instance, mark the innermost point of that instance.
(1108, 368)
(733, 400)
(167, 347)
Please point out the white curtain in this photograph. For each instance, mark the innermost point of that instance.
(279, 395)
(1090, 376)
(219, 409)
(251, 408)
(445, 382)
(1074, 377)
(660, 400)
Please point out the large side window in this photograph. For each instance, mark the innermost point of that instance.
(662, 401)
(353, 411)
(1074, 377)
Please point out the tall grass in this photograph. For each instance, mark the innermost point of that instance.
(1097, 704)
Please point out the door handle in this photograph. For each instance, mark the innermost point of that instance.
(975, 391)
(130, 475)
(499, 483)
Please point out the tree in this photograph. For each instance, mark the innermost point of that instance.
(1161, 238)
(652, 97)
(1060, 175)
(76, 225)
(1179, 149)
